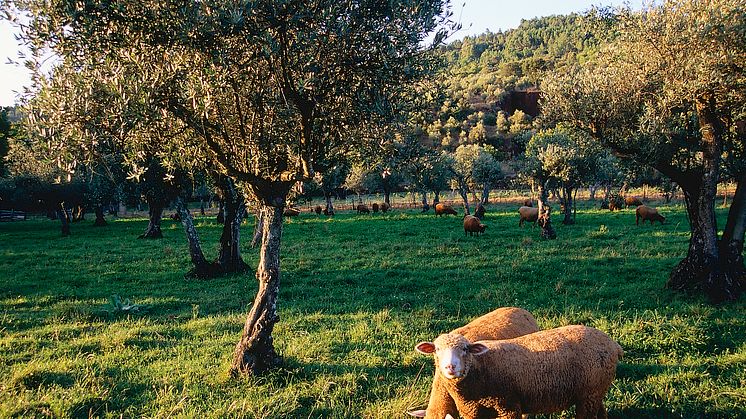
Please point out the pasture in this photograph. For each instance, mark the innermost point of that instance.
(357, 293)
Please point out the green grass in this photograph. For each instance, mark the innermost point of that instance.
(357, 293)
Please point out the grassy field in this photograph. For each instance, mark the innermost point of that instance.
(357, 293)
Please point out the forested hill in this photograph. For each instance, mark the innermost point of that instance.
(491, 75)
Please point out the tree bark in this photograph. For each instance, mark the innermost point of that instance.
(704, 268)
(255, 352)
(568, 199)
(425, 205)
(64, 216)
(201, 268)
(100, 220)
(436, 198)
(229, 256)
(155, 214)
(258, 229)
(545, 220)
(485, 194)
(329, 204)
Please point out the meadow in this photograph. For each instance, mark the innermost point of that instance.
(357, 293)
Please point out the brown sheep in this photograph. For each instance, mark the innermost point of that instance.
(472, 225)
(375, 207)
(479, 212)
(529, 214)
(317, 209)
(328, 212)
(631, 201)
(646, 213)
(544, 372)
(385, 207)
(503, 323)
(528, 202)
(443, 209)
(363, 209)
(291, 212)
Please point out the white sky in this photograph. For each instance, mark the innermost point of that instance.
(477, 16)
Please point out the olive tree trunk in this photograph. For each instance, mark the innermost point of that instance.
(425, 205)
(201, 268)
(64, 216)
(255, 352)
(100, 220)
(719, 276)
(258, 229)
(155, 214)
(545, 220)
(567, 192)
(229, 256)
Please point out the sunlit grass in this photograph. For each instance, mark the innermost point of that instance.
(357, 293)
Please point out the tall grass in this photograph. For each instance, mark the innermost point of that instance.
(357, 293)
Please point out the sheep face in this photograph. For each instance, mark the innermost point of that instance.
(453, 354)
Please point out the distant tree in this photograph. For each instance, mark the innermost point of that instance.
(487, 172)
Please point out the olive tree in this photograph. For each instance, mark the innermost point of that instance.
(668, 92)
(268, 88)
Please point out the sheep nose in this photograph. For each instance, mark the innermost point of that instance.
(450, 368)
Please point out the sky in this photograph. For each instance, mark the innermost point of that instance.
(476, 16)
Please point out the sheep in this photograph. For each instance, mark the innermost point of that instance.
(363, 209)
(328, 212)
(630, 201)
(502, 323)
(540, 373)
(375, 207)
(479, 212)
(291, 212)
(385, 207)
(472, 225)
(317, 209)
(529, 214)
(441, 209)
(528, 202)
(646, 213)
(615, 202)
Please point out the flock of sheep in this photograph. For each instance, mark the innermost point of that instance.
(502, 365)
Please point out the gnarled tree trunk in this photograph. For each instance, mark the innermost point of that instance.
(705, 268)
(258, 229)
(545, 220)
(100, 220)
(436, 198)
(229, 257)
(255, 352)
(64, 216)
(425, 205)
(567, 198)
(155, 214)
(201, 269)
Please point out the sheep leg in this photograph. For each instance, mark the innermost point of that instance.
(589, 409)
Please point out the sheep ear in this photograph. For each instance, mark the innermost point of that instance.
(477, 349)
(426, 348)
(417, 413)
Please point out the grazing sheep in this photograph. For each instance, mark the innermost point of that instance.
(646, 213)
(385, 207)
(479, 212)
(616, 202)
(544, 372)
(630, 201)
(502, 323)
(363, 209)
(472, 225)
(317, 209)
(291, 212)
(528, 202)
(375, 207)
(441, 209)
(328, 212)
(529, 214)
